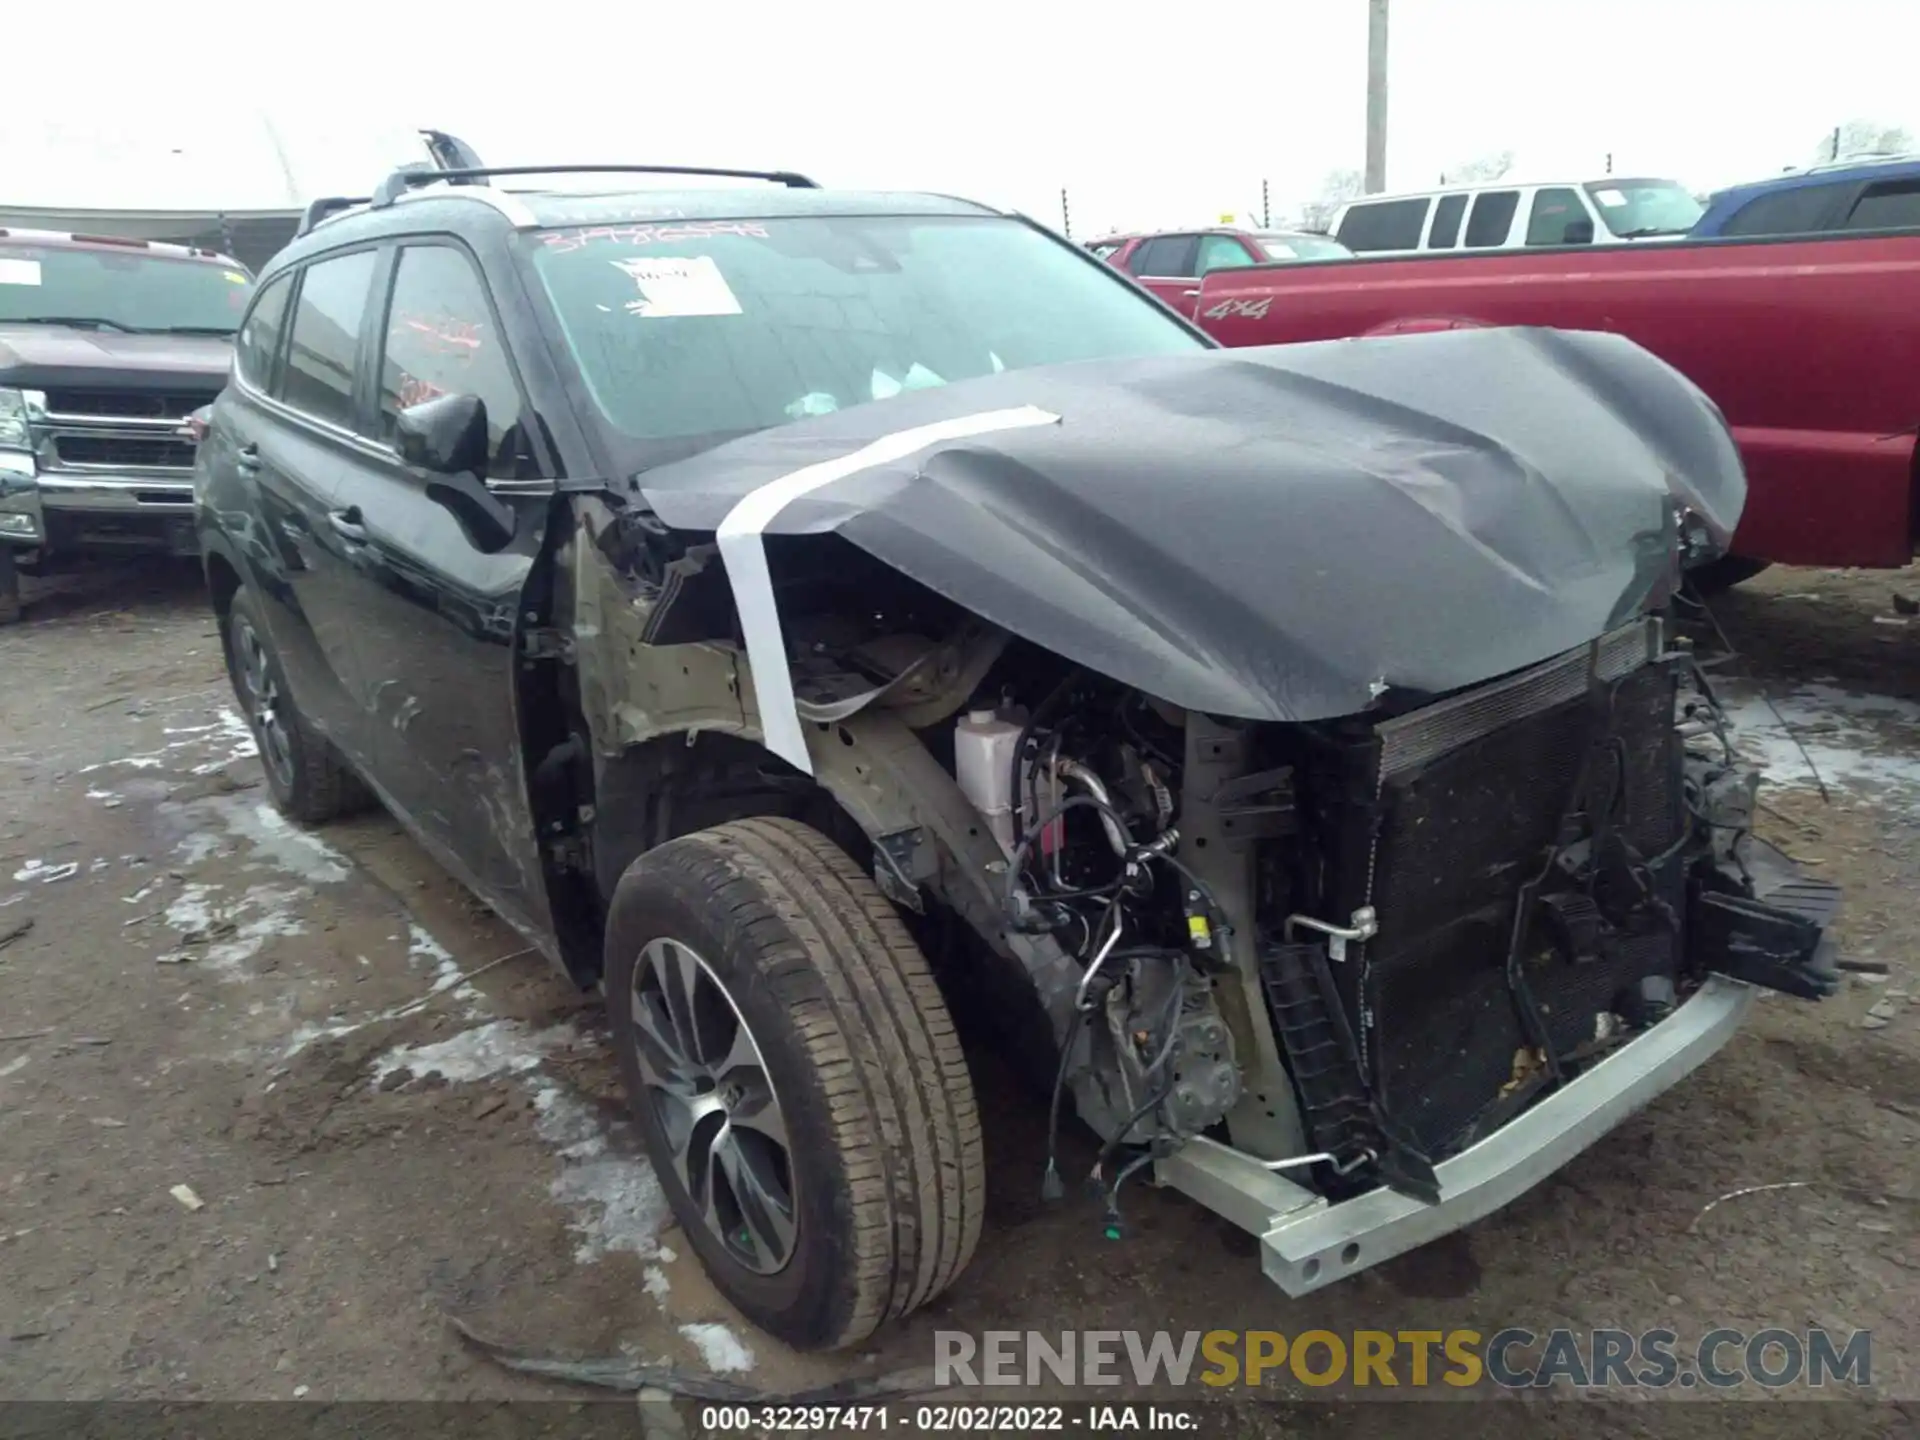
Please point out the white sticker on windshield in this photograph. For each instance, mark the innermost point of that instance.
(1278, 251)
(673, 286)
(1612, 199)
(19, 272)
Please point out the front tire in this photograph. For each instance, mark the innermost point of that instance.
(309, 780)
(797, 1079)
(1716, 577)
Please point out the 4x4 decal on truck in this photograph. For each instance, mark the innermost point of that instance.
(1251, 309)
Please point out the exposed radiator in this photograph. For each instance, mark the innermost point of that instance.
(1469, 796)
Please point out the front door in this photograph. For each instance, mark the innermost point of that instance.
(438, 621)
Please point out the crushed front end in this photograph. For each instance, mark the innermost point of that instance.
(1495, 925)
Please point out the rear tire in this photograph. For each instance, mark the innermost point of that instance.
(1718, 576)
(309, 780)
(849, 1056)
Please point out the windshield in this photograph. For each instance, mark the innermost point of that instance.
(1635, 208)
(114, 289)
(1303, 247)
(713, 328)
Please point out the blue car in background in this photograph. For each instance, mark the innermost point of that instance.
(1877, 194)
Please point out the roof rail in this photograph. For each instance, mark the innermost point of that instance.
(325, 208)
(400, 181)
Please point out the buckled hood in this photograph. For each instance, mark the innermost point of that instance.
(1277, 534)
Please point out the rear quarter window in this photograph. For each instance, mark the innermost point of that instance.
(1383, 225)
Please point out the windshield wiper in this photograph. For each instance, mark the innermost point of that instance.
(221, 330)
(1645, 230)
(78, 322)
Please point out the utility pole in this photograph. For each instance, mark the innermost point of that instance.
(1266, 219)
(1836, 144)
(1066, 219)
(1609, 162)
(1376, 179)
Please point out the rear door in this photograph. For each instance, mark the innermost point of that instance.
(1166, 265)
(437, 619)
(287, 438)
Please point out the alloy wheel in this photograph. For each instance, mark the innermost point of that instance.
(716, 1105)
(263, 702)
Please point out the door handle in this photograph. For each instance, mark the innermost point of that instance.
(1189, 294)
(247, 459)
(348, 524)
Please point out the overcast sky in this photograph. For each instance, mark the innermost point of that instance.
(1173, 117)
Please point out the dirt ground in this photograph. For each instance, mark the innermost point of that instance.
(259, 1136)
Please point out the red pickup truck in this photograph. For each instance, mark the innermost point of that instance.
(1810, 347)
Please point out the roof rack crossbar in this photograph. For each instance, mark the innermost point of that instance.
(325, 208)
(402, 180)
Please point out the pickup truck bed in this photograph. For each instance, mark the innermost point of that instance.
(1810, 347)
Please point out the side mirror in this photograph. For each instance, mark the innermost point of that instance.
(447, 438)
(1578, 232)
(445, 435)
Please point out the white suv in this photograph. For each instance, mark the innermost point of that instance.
(1504, 216)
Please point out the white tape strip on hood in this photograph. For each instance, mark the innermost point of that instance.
(744, 550)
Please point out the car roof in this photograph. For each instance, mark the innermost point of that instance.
(1272, 232)
(64, 240)
(460, 205)
(1880, 169)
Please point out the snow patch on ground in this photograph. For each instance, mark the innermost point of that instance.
(1855, 741)
(722, 1351)
(128, 762)
(41, 872)
(226, 936)
(306, 857)
(14, 1066)
(13, 900)
(198, 847)
(616, 1199)
(502, 1047)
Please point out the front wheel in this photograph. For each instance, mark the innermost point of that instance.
(797, 1079)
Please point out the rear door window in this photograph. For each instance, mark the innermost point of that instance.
(1169, 256)
(1446, 222)
(441, 339)
(321, 352)
(1492, 218)
(1555, 210)
(1384, 224)
(1889, 205)
(1221, 252)
(256, 349)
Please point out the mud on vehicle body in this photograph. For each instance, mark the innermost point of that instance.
(1283, 748)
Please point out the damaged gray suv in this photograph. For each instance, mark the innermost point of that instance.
(801, 613)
